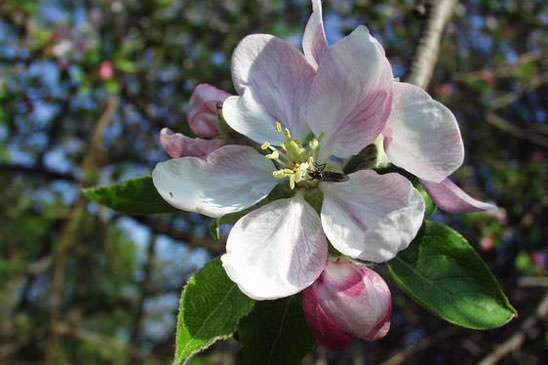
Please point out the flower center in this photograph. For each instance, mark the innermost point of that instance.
(294, 159)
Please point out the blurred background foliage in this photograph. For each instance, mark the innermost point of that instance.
(85, 87)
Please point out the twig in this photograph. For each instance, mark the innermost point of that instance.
(158, 227)
(426, 54)
(506, 69)
(533, 281)
(109, 342)
(45, 173)
(401, 356)
(509, 98)
(89, 168)
(516, 341)
(517, 132)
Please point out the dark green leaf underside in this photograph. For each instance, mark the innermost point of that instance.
(137, 196)
(275, 333)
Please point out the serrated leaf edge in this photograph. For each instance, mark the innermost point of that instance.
(178, 360)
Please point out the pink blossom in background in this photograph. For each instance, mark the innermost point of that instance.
(105, 70)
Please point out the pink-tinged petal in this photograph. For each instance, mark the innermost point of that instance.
(351, 95)
(452, 199)
(371, 216)
(423, 136)
(354, 298)
(277, 250)
(178, 145)
(202, 110)
(231, 179)
(273, 80)
(314, 40)
(326, 331)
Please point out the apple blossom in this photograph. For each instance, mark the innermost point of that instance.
(281, 248)
(309, 113)
(347, 301)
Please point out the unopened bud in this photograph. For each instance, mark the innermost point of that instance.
(347, 301)
(202, 113)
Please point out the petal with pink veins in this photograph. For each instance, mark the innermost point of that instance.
(273, 80)
(371, 217)
(276, 250)
(452, 199)
(202, 115)
(314, 41)
(351, 95)
(422, 135)
(178, 145)
(231, 179)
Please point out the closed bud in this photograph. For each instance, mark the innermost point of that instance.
(177, 145)
(203, 107)
(347, 301)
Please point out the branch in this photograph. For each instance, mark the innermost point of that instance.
(426, 54)
(517, 132)
(507, 99)
(90, 166)
(516, 341)
(27, 170)
(158, 227)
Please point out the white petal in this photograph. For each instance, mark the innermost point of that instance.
(276, 250)
(273, 79)
(371, 216)
(231, 179)
(351, 95)
(423, 136)
(314, 41)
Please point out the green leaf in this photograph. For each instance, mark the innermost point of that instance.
(443, 273)
(275, 333)
(137, 196)
(209, 310)
(430, 206)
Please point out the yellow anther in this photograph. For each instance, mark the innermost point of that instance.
(287, 133)
(279, 127)
(279, 174)
(265, 145)
(273, 156)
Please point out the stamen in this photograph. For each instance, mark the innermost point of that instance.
(265, 146)
(279, 127)
(287, 133)
(292, 181)
(273, 156)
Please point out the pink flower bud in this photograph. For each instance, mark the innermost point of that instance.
(347, 301)
(105, 70)
(177, 145)
(202, 110)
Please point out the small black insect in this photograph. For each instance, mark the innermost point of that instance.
(319, 173)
